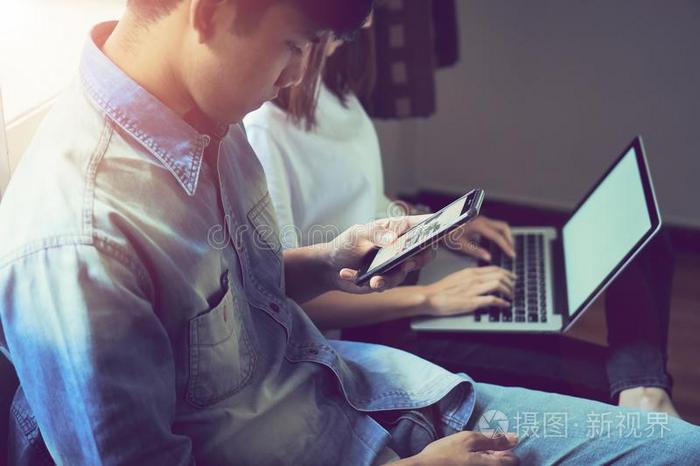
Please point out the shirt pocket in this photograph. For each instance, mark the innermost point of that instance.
(221, 358)
(264, 245)
(264, 223)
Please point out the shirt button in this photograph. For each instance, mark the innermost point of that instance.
(274, 307)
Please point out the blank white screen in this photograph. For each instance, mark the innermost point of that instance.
(604, 230)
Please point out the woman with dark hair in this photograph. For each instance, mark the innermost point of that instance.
(322, 161)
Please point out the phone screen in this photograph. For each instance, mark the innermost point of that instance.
(432, 226)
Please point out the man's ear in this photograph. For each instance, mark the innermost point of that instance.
(202, 16)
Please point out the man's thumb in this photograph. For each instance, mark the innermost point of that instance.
(384, 237)
(504, 442)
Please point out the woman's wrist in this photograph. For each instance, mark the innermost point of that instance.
(325, 271)
(415, 301)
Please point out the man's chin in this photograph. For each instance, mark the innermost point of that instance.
(257, 106)
(251, 108)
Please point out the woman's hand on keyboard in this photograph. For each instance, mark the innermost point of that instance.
(470, 289)
(465, 239)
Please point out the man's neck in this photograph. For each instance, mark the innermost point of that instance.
(136, 52)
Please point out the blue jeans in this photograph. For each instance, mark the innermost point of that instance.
(553, 429)
(558, 429)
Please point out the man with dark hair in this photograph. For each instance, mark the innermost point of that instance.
(147, 306)
(145, 303)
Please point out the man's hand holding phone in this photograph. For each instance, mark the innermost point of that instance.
(426, 234)
(334, 266)
(349, 250)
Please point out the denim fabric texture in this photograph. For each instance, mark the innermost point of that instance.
(143, 302)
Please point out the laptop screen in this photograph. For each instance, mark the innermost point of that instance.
(617, 215)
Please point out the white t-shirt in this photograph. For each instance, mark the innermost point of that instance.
(324, 180)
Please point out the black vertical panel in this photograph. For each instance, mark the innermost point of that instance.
(414, 95)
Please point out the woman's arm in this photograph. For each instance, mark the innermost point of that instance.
(459, 293)
(336, 309)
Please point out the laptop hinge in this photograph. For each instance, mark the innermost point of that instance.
(559, 278)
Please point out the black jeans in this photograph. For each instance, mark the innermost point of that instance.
(637, 306)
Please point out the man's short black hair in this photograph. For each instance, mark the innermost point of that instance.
(343, 17)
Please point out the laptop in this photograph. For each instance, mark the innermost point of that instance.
(561, 271)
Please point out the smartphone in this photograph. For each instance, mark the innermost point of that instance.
(381, 260)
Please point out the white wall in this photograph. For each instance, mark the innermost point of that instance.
(40, 46)
(4, 157)
(548, 92)
(21, 131)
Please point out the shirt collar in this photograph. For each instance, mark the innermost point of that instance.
(177, 145)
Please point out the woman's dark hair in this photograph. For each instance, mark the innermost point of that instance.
(350, 70)
(300, 101)
(342, 17)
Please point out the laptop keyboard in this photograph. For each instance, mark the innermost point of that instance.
(529, 297)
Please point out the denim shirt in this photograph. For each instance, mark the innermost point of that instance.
(143, 302)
